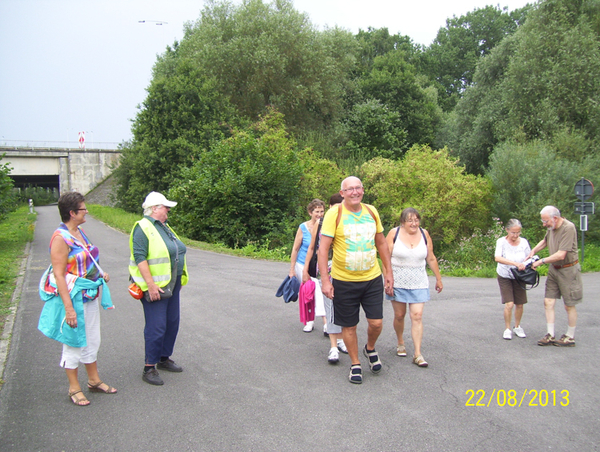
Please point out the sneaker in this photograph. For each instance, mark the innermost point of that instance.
(341, 346)
(308, 327)
(401, 350)
(152, 377)
(507, 334)
(565, 341)
(334, 356)
(548, 340)
(355, 374)
(519, 331)
(374, 361)
(169, 365)
(325, 333)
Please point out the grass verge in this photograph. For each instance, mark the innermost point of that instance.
(15, 232)
(124, 221)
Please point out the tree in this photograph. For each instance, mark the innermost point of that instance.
(542, 82)
(452, 57)
(245, 189)
(374, 130)
(394, 82)
(453, 204)
(271, 55)
(7, 200)
(182, 116)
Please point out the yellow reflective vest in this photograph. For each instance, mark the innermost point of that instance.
(158, 258)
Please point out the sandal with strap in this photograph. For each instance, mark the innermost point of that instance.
(355, 374)
(79, 400)
(420, 361)
(374, 361)
(401, 350)
(98, 388)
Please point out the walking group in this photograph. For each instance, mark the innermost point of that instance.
(351, 234)
(74, 286)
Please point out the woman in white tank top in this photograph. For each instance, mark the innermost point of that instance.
(411, 249)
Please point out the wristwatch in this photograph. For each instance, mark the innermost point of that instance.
(543, 260)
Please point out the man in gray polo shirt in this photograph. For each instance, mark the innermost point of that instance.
(564, 273)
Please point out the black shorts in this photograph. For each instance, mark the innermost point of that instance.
(348, 296)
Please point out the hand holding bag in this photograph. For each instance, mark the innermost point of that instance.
(527, 277)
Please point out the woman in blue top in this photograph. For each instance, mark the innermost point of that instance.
(316, 209)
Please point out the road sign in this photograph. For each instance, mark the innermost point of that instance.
(584, 189)
(584, 208)
(81, 140)
(583, 223)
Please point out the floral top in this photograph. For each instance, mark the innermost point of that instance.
(79, 262)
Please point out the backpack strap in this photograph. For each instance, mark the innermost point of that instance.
(397, 232)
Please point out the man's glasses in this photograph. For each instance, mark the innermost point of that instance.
(353, 189)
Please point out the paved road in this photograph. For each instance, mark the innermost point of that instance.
(253, 381)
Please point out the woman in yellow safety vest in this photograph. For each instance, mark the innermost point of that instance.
(157, 265)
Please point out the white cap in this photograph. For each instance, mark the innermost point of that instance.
(155, 198)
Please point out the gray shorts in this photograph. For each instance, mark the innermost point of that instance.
(332, 328)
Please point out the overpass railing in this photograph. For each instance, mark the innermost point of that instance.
(71, 144)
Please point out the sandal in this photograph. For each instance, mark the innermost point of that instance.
(98, 388)
(420, 361)
(355, 374)
(79, 400)
(401, 350)
(374, 361)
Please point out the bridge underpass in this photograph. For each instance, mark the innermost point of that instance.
(66, 169)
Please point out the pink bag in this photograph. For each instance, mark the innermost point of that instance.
(307, 301)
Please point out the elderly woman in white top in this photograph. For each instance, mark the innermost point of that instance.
(411, 249)
(512, 251)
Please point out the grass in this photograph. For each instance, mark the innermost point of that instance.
(124, 221)
(15, 232)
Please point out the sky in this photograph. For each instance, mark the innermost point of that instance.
(70, 66)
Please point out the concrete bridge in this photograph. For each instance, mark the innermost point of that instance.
(63, 168)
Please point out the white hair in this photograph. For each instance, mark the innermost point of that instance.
(512, 223)
(349, 177)
(148, 211)
(551, 211)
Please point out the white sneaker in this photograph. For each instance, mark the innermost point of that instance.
(507, 334)
(334, 356)
(341, 346)
(308, 327)
(519, 331)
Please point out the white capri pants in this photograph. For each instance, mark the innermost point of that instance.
(319, 304)
(72, 356)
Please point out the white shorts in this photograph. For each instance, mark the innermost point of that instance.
(72, 356)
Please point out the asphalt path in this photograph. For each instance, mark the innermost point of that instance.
(253, 381)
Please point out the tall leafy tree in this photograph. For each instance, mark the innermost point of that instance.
(542, 82)
(395, 83)
(452, 57)
(271, 55)
(7, 200)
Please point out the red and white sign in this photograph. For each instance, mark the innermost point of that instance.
(81, 140)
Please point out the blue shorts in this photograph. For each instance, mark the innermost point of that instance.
(409, 295)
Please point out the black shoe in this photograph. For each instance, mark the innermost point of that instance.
(169, 365)
(152, 377)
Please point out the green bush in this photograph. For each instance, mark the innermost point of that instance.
(243, 190)
(527, 177)
(7, 199)
(453, 204)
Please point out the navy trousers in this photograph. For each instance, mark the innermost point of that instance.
(162, 325)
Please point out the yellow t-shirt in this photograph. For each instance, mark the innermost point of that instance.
(354, 251)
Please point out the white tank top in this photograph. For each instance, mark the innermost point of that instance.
(408, 265)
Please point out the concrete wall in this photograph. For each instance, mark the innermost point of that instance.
(78, 170)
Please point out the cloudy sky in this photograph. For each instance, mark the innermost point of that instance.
(68, 66)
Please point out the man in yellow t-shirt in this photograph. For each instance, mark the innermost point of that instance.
(356, 233)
